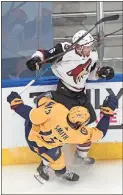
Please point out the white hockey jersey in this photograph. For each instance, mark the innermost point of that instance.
(72, 69)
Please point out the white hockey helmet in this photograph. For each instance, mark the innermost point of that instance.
(87, 39)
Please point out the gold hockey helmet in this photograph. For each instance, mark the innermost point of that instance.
(78, 115)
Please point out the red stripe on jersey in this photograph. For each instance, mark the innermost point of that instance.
(81, 150)
(41, 50)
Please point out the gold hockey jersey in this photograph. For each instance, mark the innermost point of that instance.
(50, 128)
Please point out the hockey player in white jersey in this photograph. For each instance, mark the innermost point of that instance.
(73, 70)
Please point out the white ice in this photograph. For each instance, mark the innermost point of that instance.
(104, 177)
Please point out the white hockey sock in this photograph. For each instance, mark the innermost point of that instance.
(45, 162)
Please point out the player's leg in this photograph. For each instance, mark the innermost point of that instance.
(82, 153)
(91, 110)
(43, 168)
(56, 160)
(64, 96)
(53, 158)
(83, 149)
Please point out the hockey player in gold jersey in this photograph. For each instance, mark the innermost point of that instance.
(51, 125)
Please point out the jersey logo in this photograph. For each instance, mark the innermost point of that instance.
(80, 71)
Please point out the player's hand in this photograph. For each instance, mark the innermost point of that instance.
(105, 72)
(14, 99)
(34, 63)
(109, 105)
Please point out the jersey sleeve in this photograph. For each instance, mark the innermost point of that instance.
(103, 124)
(45, 54)
(87, 134)
(98, 132)
(95, 134)
(23, 110)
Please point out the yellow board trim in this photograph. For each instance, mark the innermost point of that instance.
(23, 155)
(107, 151)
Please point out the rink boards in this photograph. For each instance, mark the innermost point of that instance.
(14, 146)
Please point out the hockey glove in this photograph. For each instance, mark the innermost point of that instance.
(34, 63)
(14, 99)
(109, 105)
(105, 72)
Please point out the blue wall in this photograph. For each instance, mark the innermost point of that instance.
(52, 80)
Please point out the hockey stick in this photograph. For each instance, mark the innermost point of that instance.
(105, 19)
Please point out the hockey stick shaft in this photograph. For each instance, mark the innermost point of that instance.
(106, 35)
(33, 81)
(105, 19)
(113, 32)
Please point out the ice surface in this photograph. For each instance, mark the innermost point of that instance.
(104, 177)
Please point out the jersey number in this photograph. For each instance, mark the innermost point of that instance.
(44, 136)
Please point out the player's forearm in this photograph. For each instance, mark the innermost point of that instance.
(103, 124)
(23, 111)
(41, 55)
(44, 55)
(51, 53)
(17, 104)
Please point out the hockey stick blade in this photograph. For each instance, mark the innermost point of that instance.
(108, 18)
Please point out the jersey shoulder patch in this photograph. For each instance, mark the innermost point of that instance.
(65, 45)
(52, 50)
